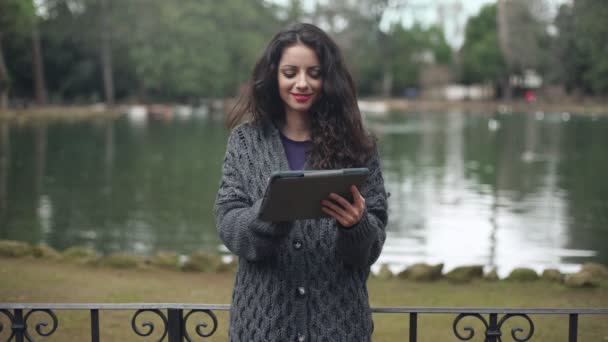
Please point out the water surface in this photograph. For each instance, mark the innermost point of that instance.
(501, 190)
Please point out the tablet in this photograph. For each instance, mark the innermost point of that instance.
(296, 195)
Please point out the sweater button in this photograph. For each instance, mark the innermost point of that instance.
(297, 244)
(301, 338)
(301, 292)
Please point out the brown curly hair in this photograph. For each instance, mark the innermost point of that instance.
(338, 137)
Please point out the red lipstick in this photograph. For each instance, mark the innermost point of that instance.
(301, 97)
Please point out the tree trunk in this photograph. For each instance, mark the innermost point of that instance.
(106, 56)
(387, 82)
(38, 63)
(507, 90)
(3, 79)
(387, 72)
(502, 20)
(4, 161)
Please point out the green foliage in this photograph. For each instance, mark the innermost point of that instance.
(16, 17)
(413, 48)
(161, 49)
(184, 50)
(580, 46)
(16, 20)
(482, 60)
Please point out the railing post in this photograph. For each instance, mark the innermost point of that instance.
(493, 332)
(176, 325)
(413, 327)
(94, 325)
(573, 328)
(19, 326)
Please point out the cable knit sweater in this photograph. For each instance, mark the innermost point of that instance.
(296, 281)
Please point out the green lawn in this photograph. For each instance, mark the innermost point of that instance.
(31, 280)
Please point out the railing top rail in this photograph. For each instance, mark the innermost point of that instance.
(225, 307)
(490, 310)
(118, 306)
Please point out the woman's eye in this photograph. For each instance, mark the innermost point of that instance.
(289, 74)
(315, 73)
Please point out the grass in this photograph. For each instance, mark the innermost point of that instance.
(30, 280)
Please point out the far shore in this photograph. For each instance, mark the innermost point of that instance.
(578, 107)
(101, 111)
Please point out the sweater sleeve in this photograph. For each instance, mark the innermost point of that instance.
(236, 213)
(360, 245)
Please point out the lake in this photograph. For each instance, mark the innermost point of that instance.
(499, 189)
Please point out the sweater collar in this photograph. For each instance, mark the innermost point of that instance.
(274, 135)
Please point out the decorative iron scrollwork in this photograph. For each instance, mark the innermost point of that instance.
(42, 324)
(11, 319)
(201, 326)
(19, 325)
(149, 325)
(516, 330)
(493, 331)
(469, 329)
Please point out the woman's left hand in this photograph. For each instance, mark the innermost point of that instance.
(346, 213)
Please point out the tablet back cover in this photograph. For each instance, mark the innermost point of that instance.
(295, 195)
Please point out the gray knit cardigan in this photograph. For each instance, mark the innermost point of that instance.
(296, 281)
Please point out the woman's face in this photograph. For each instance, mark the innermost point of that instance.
(299, 78)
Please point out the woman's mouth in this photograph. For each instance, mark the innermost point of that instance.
(301, 97)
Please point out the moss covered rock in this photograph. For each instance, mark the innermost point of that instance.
(43, 251)
(80, 254)
(163, 259)
(465, 274)
(384, 272)
(582, 279)
(121, 260)
(200, 261)
(598, 271)
(552, 275)
(228, 267)
(523, 274)
(422, 272)
(14, 249)
(492, 275)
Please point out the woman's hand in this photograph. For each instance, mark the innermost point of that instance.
(347, 214)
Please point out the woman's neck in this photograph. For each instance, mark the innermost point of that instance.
(296, 126)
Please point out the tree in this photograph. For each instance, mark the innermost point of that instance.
(520, 30)
(295, 12)
(481, 57)
(38, 66)
(105, 52)
(414, 48)
(186, 49)
(581, 46)
(16, 18)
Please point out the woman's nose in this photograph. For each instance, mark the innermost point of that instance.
(302, 82)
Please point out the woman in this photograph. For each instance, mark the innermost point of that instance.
(303, 280)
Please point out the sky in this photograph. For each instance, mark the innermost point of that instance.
(427, 12)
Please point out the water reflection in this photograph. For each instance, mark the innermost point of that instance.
(466, 191)
(4, 163)
(501, 190)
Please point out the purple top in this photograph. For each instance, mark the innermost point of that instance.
(295, 151)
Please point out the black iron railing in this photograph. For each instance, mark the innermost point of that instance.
(175, 319)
